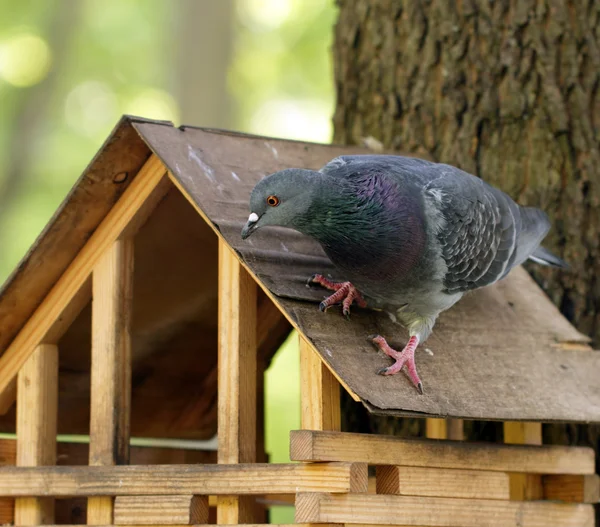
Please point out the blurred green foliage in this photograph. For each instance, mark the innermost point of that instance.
(70, 68)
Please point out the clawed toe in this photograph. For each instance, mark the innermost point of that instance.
(403, 358)
(345, 294)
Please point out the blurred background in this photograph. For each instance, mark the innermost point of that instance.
(70, 68)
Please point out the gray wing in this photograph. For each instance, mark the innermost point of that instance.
(483, 233)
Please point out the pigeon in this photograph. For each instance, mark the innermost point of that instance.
(409, 236)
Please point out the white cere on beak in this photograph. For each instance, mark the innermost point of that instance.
(253, 218)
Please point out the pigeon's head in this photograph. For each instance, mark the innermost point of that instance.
(282, 199)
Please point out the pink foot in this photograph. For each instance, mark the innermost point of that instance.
(402, 358)
(345, 293)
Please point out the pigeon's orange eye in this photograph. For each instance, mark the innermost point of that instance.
(273, 201)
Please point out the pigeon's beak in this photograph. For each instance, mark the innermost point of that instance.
(251, 225)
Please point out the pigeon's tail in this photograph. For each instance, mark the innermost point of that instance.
(544, 257)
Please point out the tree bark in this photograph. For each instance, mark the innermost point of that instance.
(505, 90)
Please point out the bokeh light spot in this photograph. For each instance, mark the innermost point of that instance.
(264, 14)
(91, 107)
(25, 59)
(306, 120)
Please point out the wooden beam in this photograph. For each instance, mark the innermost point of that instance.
(524, 486)
(150, 185)
(379, 509)
(444, 429)
(36, 427)
(236, 378)
(576, 489)
(265, 289)
(214, 479)
(307, 445)
(161, 510)
(111, 367)
(319, 391)
(438, 482)
(245, 525)
(8, 456)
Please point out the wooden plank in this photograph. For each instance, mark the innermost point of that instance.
(308, 445)
(444, 429)
(456, 429)
(267, 291)
(161, 510)
(8, 456)
(577, 489)
(149, 183)
(436, 482)
(436, 428)
(245, 525)
(380, 509)
(111, 367)
(524, 486)
(319, 391)
(149, 480)
(36, 427)
(237, 370)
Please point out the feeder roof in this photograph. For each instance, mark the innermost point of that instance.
(502, 353)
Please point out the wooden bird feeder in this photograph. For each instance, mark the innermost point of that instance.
(139, 303)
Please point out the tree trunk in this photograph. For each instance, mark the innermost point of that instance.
(505, 90)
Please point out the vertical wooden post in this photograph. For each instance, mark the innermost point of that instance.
(37, 400)
(111, 367)
(319, 392)
(524, 486)
(444, 429)
(237, 378)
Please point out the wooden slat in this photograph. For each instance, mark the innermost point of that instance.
(577, 489)
(307, 445)
(148, 480)
(455, 429)
(244, 525)
(36, 427)
(524, 486)
(237, 378)
(8, 456)
(436, 482)
(319, 391)
(436, 428)
(149, 185)
(161, 510)
(379, 509)
(111, 367)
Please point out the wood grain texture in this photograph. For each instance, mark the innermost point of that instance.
(77, 273)
(307, 445)
(379, 509)
(319, 392)
(161, 510)
(111, 367)
(149, 480)
(237, 370)
(8, 456)
(37, 402)
(245, 525)
(524, 486)
(577, 489)
(95, 192)
(435, 482)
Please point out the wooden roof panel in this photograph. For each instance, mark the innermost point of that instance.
(504, 352)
